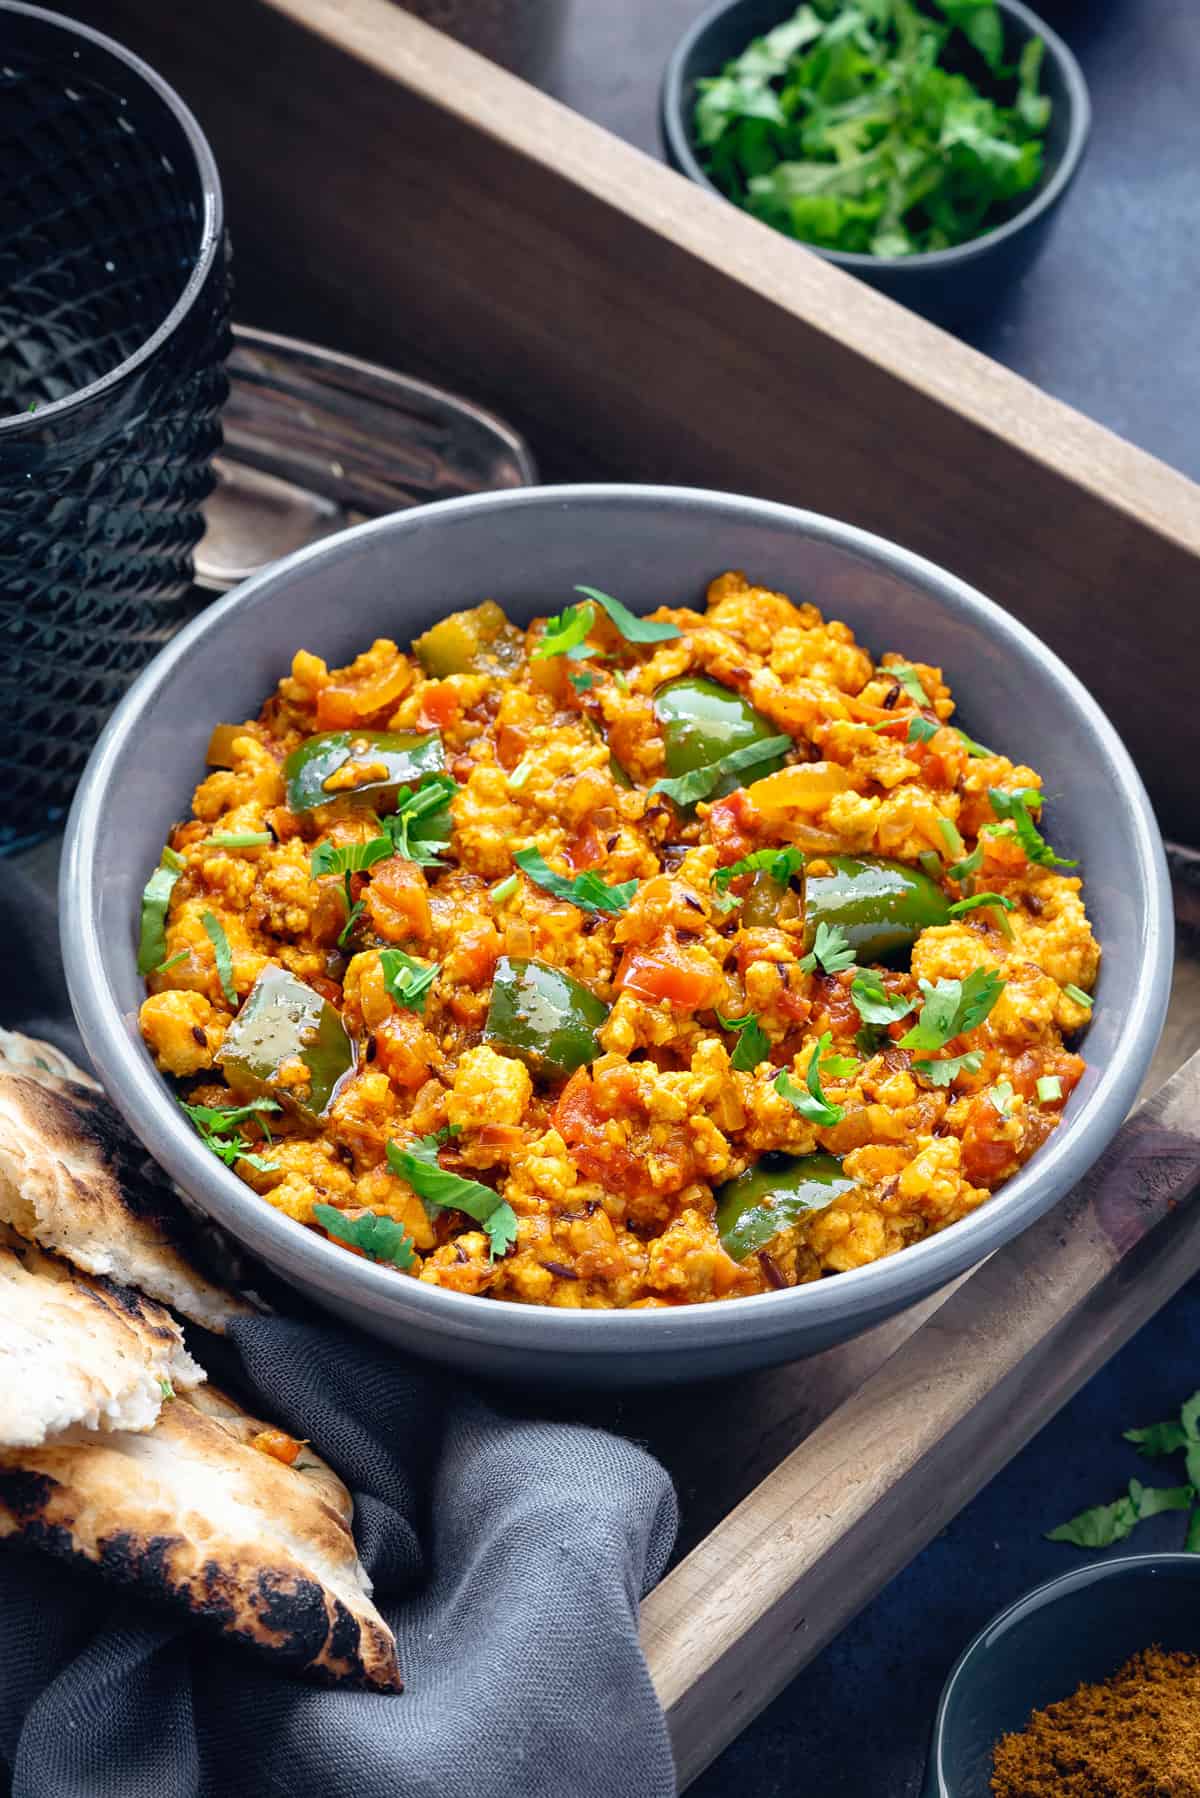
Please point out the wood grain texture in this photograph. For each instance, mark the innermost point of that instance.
(849, 1507)
(397, 196)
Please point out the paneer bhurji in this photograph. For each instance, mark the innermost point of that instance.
(619, 961)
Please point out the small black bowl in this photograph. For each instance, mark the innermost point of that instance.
(1077, 1630)
(949, 286)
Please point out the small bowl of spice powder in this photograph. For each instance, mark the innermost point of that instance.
(1088, 1687)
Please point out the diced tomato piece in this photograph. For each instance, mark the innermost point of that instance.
(580, 1122)
(440, 705)
(673, 971)
(278, 1444)
(397, 901)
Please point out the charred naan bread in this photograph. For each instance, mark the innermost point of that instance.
(19, 1052)
(79, 1352)
(73, 1179)
(194, 1513)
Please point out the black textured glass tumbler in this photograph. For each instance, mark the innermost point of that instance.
(114, 327)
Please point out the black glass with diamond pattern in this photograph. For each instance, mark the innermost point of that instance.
(114, 310)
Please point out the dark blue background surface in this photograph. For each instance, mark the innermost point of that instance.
(1109, 320)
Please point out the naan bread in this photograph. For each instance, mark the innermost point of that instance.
(194, 1514)
(75, 1351)
(73, 1179)
(20, 1052)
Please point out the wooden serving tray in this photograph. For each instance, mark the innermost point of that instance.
(392, 195)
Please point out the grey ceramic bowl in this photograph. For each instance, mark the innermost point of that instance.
(949, 286)
(649, 545)
(1078, 1629)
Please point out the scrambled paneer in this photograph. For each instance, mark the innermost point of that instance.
(618, 963)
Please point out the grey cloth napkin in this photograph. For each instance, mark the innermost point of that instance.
(508, 1555)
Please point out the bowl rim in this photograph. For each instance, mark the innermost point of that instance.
(212, 224)
(1039, 1598)
(677, 141)
(877, 1289)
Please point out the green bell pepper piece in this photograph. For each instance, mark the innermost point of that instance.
(282, 1019)
(543, 1016)
(774, 1194)
(701, 721)
(406, 757)
(478, 641)
(883, 906)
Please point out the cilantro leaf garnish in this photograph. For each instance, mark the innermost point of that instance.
(753, 1044)
(349, 858)
(631, 627)
(215, 1124)
(156, 899)
(946, 1071)
(971, 746)
(1001, 1096)
(780, 864)
(977, 899)
(407, 981)
(222, 954)
(1015, 808)
(873, 1002)
(840, 1067)
(583, 681)
(420, 827)
(831, 950)
(812, 1104)
(565, 633)
(417, 1163)
(172, 961)
(921, 729)
(587, 890)
(1103, 1525)
(379, 1238)
(909, 679)
(951, 1008)
(686, 789)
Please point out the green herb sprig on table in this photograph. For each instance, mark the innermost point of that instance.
(878, 127)
(1102, 1525)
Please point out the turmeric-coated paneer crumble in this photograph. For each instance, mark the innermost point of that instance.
(620, 961)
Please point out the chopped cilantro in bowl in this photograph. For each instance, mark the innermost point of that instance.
(921, 144)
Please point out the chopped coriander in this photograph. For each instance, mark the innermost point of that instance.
(504, 889)
(947, 1070)
(378, 1238)
(1103, 1525)
(753, 1044)
(349, 858)
(780, 864)
(355, 912)
(418, 1164)
(885, 129)
(686, 789)
(420, 826)
(583, 680)
(840, 1067)
(965, 870)
(405, 980)
(1015, 808)
(240, 839)
(909, 679)
(1079, 997)
(520, 774)
(874, 1004)
(1001, 1096)
(631, 627)
(971, 746)
(222, 954)
(948, 831)
(214, 1124)
(921, 729)
(831, 950)
(812, 1104)
(1049, 1088)
(564, 634)
(977, 899)
(172, 962)
(951, 1008)
(588, 891)
(156, 900)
